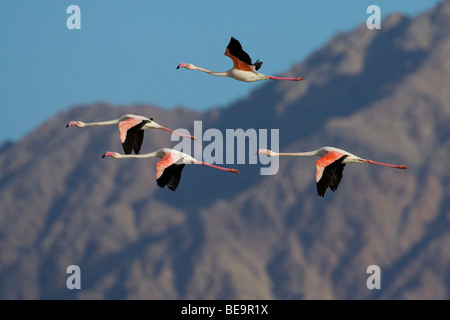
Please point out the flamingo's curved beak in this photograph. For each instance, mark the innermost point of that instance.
(264, 151)
(108, 154)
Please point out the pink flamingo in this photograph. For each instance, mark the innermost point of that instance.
(131, 130)
(330, 165)
(168, 169)
(243, 68)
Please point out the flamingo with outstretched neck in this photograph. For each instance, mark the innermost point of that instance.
(243, 68)
(131, 128)
(330, 165)
(169, 168)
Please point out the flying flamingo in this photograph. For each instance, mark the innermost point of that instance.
(168, 169)
(131, 130)
(330, 165)
(243, 68)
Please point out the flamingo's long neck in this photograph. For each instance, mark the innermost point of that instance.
(101, 123)
(145, 155)
(220, 74)
(297, 154)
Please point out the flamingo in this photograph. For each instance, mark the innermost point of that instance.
(131, 130)
(243, 68)
(168, 169)
(330, 165)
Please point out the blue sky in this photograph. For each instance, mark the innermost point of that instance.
(126, 52)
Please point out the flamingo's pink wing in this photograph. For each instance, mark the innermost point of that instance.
(164, 163)
(329, 170)
(241, 60)
(168, 172)
(325, 161)
(125, 125)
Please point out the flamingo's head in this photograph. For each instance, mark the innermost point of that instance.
(188, 66)
(109, 154)
(78, 124)
(265, 151)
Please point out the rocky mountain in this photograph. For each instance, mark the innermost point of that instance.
(380, 94)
